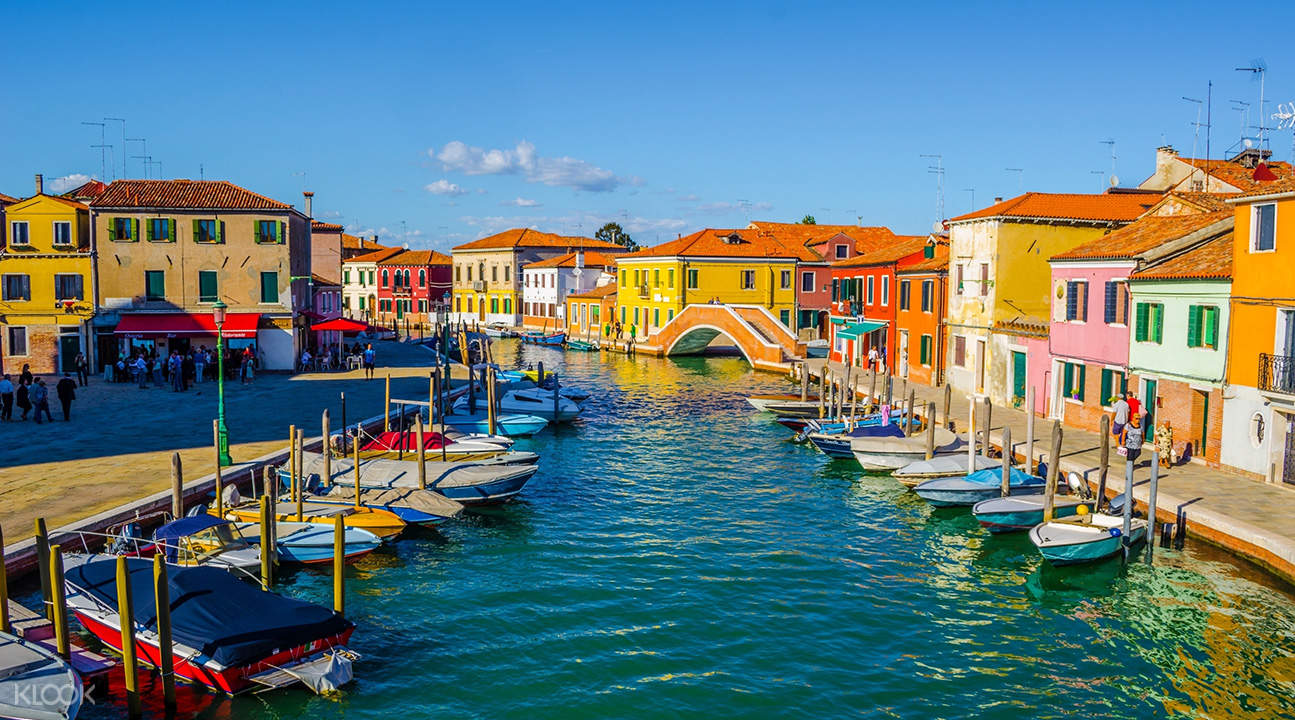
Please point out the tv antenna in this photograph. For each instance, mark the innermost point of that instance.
(143, 149)
(148, 159)
(938, 171)
(123, 142)
(1111, 143)
(1285, 117)
(1020, 178)
(746, 208)
(1099, 172)
(1243, 109)
(1258, 68)
(103, 143)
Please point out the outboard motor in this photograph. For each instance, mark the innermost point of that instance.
(126, 539)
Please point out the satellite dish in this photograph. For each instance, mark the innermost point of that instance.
(937, 226)
(1249, 143)
(1115, 181)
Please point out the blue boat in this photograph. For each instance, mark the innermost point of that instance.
(836, 427)
(838, 445)
(539, 338)
(1016, 513)
(1086, 538)
(510, 424)
(304, 542)
(971, 489)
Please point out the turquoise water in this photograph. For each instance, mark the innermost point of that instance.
(676, 556)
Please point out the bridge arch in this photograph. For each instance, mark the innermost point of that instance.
(764, 341)
(695, 339)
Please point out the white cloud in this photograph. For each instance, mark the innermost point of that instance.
(721, 208)
(521, 202)
(444, 187)
(522, 160)
(68, 182)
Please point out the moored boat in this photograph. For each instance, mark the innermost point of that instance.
(1085, 538)
(762, 402)
(889, 454)
(1016, 513)
(839, 445)
(533, 337)
(581, 346)
(401, 445)
(529, 402)
(466, 483)
(309, 543)
(35, 683)
(513, 424)
(380, 522)
(981, 485)
(953, 465)
(206, 540)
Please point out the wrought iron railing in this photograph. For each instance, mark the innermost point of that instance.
(1277, 373)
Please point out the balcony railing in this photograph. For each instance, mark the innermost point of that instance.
(643, 291)
(1277, 373)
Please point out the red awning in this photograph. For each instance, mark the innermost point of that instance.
(340, 324)
(154, 325)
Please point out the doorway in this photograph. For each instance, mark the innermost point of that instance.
(1018, 377)
(903, 353)
(69, 345)
(1200, 422)
(1149, 402)
(1288, 451)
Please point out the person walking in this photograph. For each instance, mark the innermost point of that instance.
(1120, 412)
(22, 396)
(66, 390)
(370, 356)
(176, 367)
(26, 377)
(82, 369)
(1131, 439)
(246, 370)
(40, 400)
(6, 398)
(199, 364)
(1165, 444)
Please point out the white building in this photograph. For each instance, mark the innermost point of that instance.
(360, 283)
(547, 283)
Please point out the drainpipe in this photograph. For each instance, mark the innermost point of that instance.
(92, 345)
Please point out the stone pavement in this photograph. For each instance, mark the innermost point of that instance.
(1250, 517)
(118, 445)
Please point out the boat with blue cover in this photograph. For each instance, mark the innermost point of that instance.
(981, 485)
(838, 445)
(511, 424)
(533, 337)
(1085, 538)
(1017, 513)
(943, 466)
(206, 540)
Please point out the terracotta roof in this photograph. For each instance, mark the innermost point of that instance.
(351, 242)
(1271, 188)
(184, 194)
(318, 226)
(56, 198)
(375, 256)
(525, 237)
(319, 282)
(592, 259)
(1240, 176)
(87, 190)
(1208, 261)
(939, 263)
(1106, 207)
(904, 246)
(6, 200)
(816, 234)
(1023, 325)
(413, 257)
(712, 242)
(1210, 202)
(1146, 234)
(599, 292)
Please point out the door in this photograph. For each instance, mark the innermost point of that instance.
(69, 344)
(1149, 403)
(1288, 451)
(481, 306)
(400, 309)
(1018, 377)
(980, 366)
(903, 353)
(1200, 421)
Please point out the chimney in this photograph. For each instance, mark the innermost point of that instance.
(40, 184)
(309, 203)
(997, 200)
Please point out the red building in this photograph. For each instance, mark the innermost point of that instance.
(920, 315)
(863, 300)
(411, 284)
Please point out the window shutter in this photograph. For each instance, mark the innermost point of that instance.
(1083, 301)
(197, 232)
(1110, 302)
(220, 231)
(1080, 368)
(1140, 332)
(1072, 301)
(282, 232)
(1194, 326)
(1210, 323)
(134, 228)
(170, 230)
(1160, 323)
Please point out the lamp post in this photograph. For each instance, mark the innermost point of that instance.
(222, 432)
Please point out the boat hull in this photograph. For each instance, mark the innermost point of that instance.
(891, 461)
(1070, 543)
(516, 425)
(45, 687)
(411, 516)
(313, 543)
(1018, 514)
(490, 493)
(968, 496)
(384, 524)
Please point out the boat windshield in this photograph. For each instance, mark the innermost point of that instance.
(212, 541)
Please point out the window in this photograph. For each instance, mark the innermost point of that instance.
(623, 311)
(508, 302)
(161, 230)
(346, 277)
(656, 317)
(960, 273)
(1263, 228)
(784, 280)
(494, 273)
(1073, 380)
(458, 273)
(386, 279)
(269, 287)
(748, 279)
(18, 233)
(904, 292)
(669, 314)
(624, 277)
(68, 286)
(984, 279)
(669, 276)
(1150, 323)
(494, 305)
(928, 296)
(507, 269)
(924, 350)
(206, 231)
(1117, 303)
(842, 251)
(885, 290)
(62, 232)
(16, 287)
(269, 231)
(836, 290)
(692, 279)
(469, 273)
(1203, 326)
(422, 278)
(1077, 301)
(656, 278)
(1114, 382)
(154, 284)
(207, 286)
(960, 350)
(807, 282)
(784, 316)
(17, 341)
(122, 229)
(636, 316)
(869, 290)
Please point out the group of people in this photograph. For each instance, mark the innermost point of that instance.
(182, 369)
(1126, 426)
(31, 394)
(328, 360)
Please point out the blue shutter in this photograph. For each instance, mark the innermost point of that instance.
(1072, 300)
(1111, 299)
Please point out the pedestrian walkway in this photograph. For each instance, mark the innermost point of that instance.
(1249, 517)
(118, 446)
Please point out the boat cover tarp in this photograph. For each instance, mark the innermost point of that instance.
(944, 441)
(230, 621)
(388, 474)
(946, 465)
(424, 501)
(170, 533)
(407, 441)
(1016, 478)
(35, 683)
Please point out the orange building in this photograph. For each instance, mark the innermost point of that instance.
(919, 317)
(1259, 406)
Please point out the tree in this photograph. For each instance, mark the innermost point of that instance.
(808, 220)
(614, 233)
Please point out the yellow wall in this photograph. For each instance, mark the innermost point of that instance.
(41, 260)
(498, 265)
(1258, 280)
(658, 300)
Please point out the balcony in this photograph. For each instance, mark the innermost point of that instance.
(1277, 373)
(643, 291)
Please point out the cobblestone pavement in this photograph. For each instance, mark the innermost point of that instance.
(118, 445)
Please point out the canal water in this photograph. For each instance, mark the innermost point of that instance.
(676, 556)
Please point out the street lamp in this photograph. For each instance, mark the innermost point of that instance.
(222, 432)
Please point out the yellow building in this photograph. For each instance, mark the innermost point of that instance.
(488, 277)
(732, 267)
(45, 275)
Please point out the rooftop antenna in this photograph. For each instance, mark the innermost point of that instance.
(1209, 130)
(746, 209)
(404, 232)
(123, 143)
(158, 165)
(302, 175)
(938, 171)
(1020, 178)
(202, 175)
(1098, 172)
(147, 159)
(1260, 68)
(1200, 105)
(1285, 117)
(106, 147)
(1110, 142)
(1243, 109)
(103, 143)
(973, 197)
(143, 149)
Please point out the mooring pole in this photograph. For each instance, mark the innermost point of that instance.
(872, 387)
(326, 452)
(492, 416)
(267, 543)
(220, 498)
(177, 487)
(1104, 429)
(912, 400)
(422, 453)
(1151, 503)
(1050, 488)
(556, 397)
(162, 604)
(339, 565)
(989, 423)
(126, 612)
(930, 432)
(59, 603)
(948, 404)
(42, 565)
(971, 434)
(1127, 520)
(356, 460)
(804, 382)
(822, 392)
(343, 425)
(301, 475)
(1007, 460)
(386, 407)
(1029, 432)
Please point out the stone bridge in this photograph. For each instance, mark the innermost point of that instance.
(764, 341)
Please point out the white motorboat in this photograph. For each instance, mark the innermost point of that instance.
(536, 402)
(886, 454)
(35, 683)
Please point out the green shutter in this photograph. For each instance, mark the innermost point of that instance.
(1211, 327)
(1160, 323)
(170, 230)
(197, 230)
(1082, 377)
(112, 229)
(220, 231)
(149, 233)
(1140, 331)
(281, 231)
(1106, 386)
(1194, 326)
(134, 228)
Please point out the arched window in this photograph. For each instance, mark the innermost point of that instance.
(385, 278)
(407, 279)
(422, 278)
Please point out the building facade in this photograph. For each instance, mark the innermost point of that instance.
(360, 284)
(412, 284)
(46, 299)
(546, 284)
(590, 313)
(167, 250)
(919, 316)
(864, 288)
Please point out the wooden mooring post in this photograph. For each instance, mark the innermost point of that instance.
(1103, 429)
(1029, 431)
(356, 460)
(422, 452)
(1007, 460)
(1054, 466)
(326, 452)
(989, 423)
(42, 566)
(930, 431)
(1151, 503)
(339, 564)
(59, 602)
(386, 407)
(177, 487)
(126, 613)
(267, 543)
(948, 405)
(162, 604)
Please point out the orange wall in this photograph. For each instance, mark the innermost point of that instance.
(1256, 277)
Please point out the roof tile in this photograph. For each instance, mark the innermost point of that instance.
(1138, 237)
(184, 194)
(1208, 261)
(413, 257)
(376, 256)
(526, 237)
(903, 246)
(713, 242)
(1106, 207)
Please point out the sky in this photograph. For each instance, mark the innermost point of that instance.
(435, 124)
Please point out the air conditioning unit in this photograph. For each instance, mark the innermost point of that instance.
(479, 285)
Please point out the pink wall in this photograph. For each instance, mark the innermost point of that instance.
(1092, 340)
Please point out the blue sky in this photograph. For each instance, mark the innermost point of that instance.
(463, 119)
